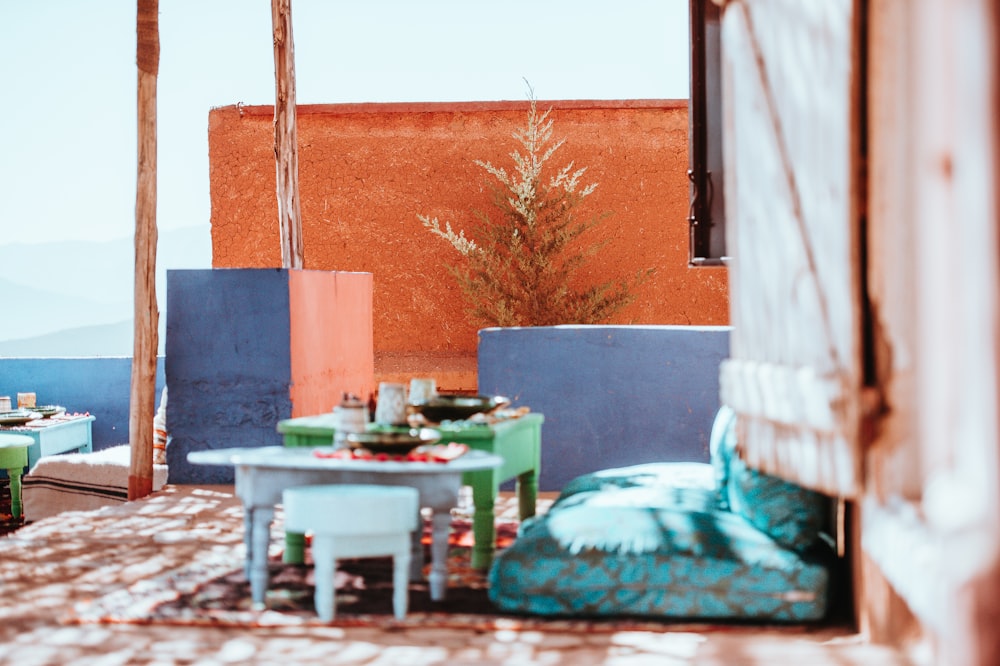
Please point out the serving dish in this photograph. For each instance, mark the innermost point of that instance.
(49, 410)
(397, 441)
(18, 417)
(455, 406)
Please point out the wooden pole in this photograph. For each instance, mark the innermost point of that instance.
(142, 402)
(286, 152)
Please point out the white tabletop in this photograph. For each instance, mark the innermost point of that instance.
(282, 457)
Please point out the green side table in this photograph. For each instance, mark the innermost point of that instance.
(518, 441)
(14, 458)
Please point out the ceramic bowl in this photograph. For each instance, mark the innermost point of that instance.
(49, 410)
(397, 441)
(455, 407)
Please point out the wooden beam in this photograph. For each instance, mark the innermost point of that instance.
(286, 152)
(142, 402)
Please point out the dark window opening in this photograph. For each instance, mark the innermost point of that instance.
(706, 215)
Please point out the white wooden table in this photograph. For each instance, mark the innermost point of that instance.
(262, 473)
(56, 435)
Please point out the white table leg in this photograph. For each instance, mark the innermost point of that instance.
(260, 539)
(416, 563)
(324, 572)
(438, 578)
(247, 540)
(400, 593)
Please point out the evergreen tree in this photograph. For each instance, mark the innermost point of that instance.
(520, 261)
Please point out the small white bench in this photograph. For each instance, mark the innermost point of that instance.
(354, 520)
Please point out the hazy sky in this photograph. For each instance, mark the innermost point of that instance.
(67, 155)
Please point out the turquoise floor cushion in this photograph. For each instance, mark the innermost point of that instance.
(642, 553)
(669, 540)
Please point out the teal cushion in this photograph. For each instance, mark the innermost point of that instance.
(650, 475)
(722, 448)
(640, 551)
(792, 515)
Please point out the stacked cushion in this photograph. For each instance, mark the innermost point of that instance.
(660, 540)
(794, 516)
(791, 515)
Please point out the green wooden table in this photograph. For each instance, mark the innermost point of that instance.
(14, 458)
(518, 441)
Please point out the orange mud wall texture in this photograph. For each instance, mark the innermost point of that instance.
(367, 170)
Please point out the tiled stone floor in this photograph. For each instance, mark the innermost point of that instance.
(46, 567)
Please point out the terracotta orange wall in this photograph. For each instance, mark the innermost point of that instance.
(330, 338)
(367, 170)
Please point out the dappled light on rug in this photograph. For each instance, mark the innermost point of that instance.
(211, 590)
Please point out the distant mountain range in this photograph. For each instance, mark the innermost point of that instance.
(100, 340)
(74, 298)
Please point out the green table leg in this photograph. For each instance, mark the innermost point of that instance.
(527, 494)
(15, 492)
(484, 490)
(14, 458)
(295, 548)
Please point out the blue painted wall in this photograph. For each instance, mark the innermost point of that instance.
(227, 365)
(611, 395)
(100, 386)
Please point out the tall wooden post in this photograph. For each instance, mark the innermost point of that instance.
(286, 151)
(142, 402)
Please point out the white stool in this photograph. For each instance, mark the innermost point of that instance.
(354, 521)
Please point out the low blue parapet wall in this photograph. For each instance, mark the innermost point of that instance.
(611, 395)
(99, 385)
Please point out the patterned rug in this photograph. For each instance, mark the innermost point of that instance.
(212, 591)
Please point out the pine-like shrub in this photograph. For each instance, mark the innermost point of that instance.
(520, 260)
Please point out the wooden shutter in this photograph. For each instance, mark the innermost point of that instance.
(794, 375)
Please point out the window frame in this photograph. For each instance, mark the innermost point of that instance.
(706, 210)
